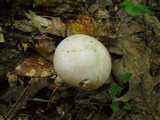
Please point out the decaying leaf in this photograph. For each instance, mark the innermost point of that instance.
(59, 27)
(134, 50)
(83, 24)
(45, 46)
(38, 21)
(53, 26)
(24, 26)
(60, 8)
(34, 66)
(136, 60)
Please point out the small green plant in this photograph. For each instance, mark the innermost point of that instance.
(115, 91)
(114, 106)
(135, 9)
(127, 106)
(125, 77)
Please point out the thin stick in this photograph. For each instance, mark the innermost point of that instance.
(54, 91)
(17, 102)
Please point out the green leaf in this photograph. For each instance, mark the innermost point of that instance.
(114, 106)
(127, 106)
(135, 9)
(132, 10)
(127, 3)
(115, 89)
(144, 8)
(125, 77)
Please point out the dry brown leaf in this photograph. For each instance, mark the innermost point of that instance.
(136, 60)
(24, 26)
(34, 66)
(37, 20)
(45, 46)
(60, 8)
(57, 27)
(83, 24)
(53, 26)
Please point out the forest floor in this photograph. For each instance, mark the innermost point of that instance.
(30, 31)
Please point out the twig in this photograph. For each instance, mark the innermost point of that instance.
(9, 113)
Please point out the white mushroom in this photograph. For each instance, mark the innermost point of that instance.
(82, 61)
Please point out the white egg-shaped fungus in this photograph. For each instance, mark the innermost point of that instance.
(82, 61)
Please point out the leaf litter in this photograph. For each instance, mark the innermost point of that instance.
(133, 45)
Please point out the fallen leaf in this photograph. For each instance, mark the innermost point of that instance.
(45, 46)
(83, 24)
(59, 28)
(37, 20)
(60, 8)
(136, 59)
(34, 66)
(24, 26)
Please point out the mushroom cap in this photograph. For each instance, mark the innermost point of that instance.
(82, 61)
